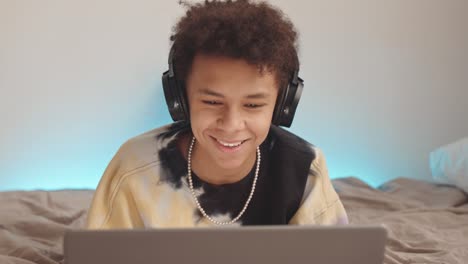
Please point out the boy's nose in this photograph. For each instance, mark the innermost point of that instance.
(231, 120)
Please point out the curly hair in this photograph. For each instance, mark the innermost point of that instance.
(255, 32)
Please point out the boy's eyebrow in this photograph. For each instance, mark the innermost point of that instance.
(260, 95)
(257, 96)
(207, 91)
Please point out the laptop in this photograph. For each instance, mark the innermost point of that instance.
(226, 245)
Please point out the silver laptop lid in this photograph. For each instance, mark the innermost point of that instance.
(265, 244)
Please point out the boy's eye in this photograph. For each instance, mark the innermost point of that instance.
(211, 102)
(253, 105)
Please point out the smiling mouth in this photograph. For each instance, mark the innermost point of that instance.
(231, 144)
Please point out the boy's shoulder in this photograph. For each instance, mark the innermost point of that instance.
(145, 149)
(288, 141)
(292, 155)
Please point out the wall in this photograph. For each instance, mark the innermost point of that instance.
(386, 82)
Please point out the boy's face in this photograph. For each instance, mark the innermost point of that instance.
(230, 103)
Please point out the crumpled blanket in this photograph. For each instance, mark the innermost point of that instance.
(426, 222)
(32, 223)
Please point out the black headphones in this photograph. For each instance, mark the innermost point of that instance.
(176, 97)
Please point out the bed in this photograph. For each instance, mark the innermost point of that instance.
(426, 222)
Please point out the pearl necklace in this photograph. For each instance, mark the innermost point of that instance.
(189, 161)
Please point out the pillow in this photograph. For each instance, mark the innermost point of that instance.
(449, 164)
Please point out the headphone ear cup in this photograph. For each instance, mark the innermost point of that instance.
(184, 106)
(174, 92)
(175, 98)
(277, 113)
(287, 102)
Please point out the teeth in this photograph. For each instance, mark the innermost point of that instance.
(231, 145)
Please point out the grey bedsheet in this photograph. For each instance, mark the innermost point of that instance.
(427, 223)
(32, 223)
